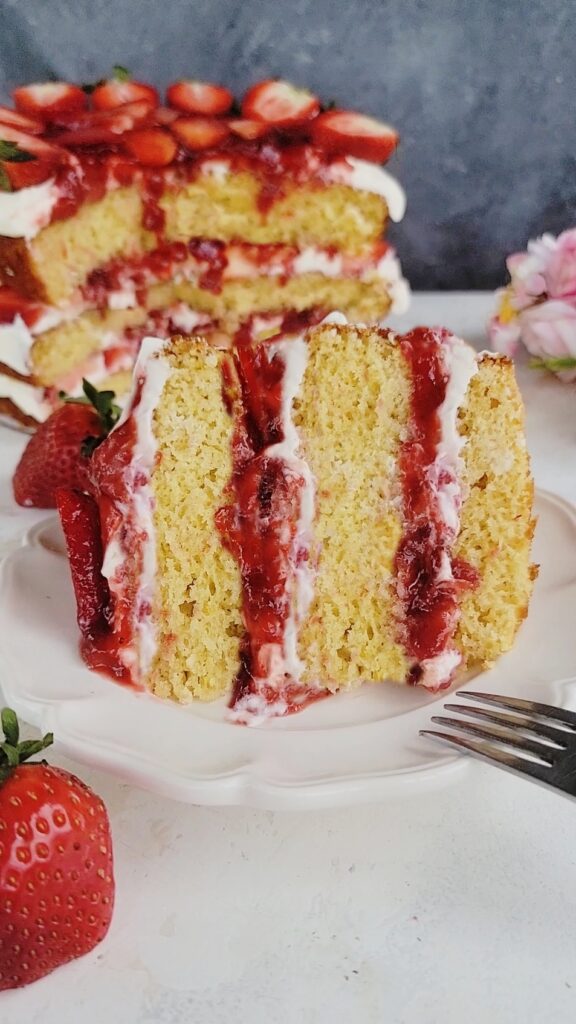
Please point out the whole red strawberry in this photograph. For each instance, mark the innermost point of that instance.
(56, 872)
(58, 455)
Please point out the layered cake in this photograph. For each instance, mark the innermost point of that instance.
(121, 217)
(301, 514)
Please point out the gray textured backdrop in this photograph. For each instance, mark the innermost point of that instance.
(482, 91)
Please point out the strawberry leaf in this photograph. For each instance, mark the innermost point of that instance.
(120, 73)
(13, 753)
(103, 402)
(12, 153)
(28, 748)
(10, 725)
(553, 363)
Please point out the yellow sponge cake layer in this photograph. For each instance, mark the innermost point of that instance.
(198, 596)
(57, 261)
(53, 265)
(302, 215)
(358, 299)
(350, 416)
(57, 353)
(496, 522)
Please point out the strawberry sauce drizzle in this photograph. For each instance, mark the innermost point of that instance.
(105, 650)
(259, 525)
(429, 602)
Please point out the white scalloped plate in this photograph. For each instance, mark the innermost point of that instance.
(354, 747)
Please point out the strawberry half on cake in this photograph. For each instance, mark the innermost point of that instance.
(121, 217)
(292, 516)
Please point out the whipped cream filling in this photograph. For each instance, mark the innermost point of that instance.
(282, 661)
(15, 344)
(24, 213)
(368, 177)
(25, 397)
(150, 375)
(460, 365)
(389, 270)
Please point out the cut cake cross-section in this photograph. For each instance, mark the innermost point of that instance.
(306, 513)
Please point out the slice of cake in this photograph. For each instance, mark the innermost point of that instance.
(306, 513)
(120, 217)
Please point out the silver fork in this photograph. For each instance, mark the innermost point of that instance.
(543, 736)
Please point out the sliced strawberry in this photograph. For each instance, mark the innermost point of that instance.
(279, 103)
(104, 127)
(249, 130)
(200, 132)
(115, 93)
(344, 131)
(153, 147)
(32, 172)
(165, 115)
(118, 119)
(41, 99)
(12, 305)
(199, 98)
(80, 520)
(16, 120)
(32, 144)
(98, 135)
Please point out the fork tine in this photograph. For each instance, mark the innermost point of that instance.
(530, 707)
(493, 755)
(555, 733)
(495, 734)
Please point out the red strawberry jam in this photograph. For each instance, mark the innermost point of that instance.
(259, 524)
(107, 649)
(429, 601)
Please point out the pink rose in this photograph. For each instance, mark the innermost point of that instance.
(549, 330)
(560, 274)
(504, 337)
(538, 307)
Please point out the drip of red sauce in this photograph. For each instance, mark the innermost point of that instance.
(114, 492)
(153, 216)
(429, 605)
(211, 253)
(259, 524)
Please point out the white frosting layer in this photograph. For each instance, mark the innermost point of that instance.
(389, 270)
(460, 364)
(15, 344)
(313, 260)
(281, 660)
(368, 177)
(150, 375)
(24, 213)
(26, 397)
(186, 319)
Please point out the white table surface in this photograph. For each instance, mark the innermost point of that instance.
(430, 910)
